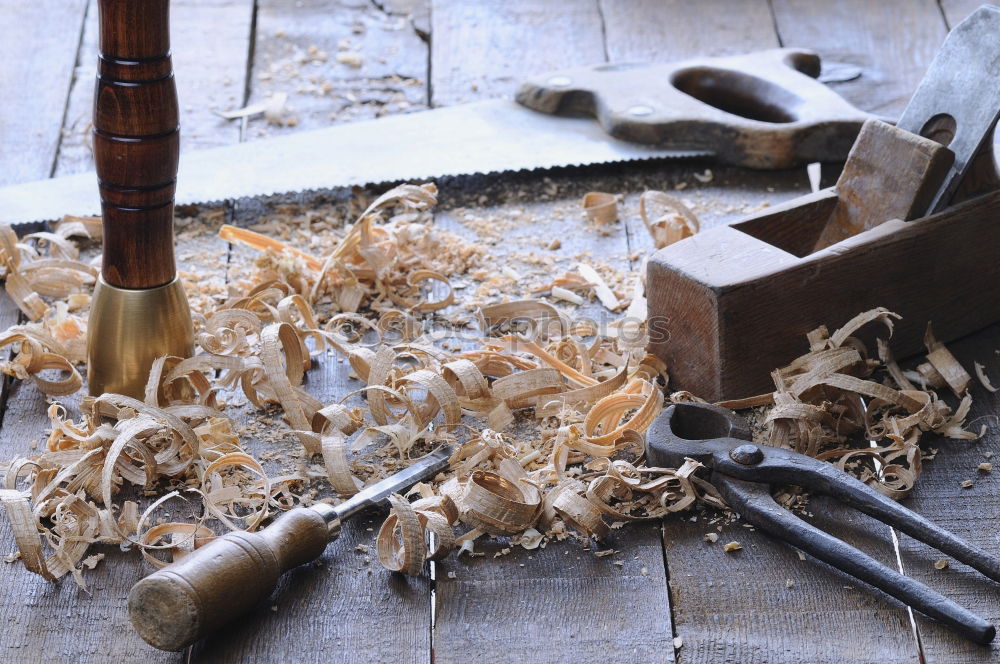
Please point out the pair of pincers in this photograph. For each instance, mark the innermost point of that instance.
(744, 472)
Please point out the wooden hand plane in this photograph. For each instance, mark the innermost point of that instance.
(913, 225)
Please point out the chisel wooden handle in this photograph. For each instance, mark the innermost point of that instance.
(136, 142)
(175, 606)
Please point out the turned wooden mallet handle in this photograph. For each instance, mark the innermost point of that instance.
(136, 142)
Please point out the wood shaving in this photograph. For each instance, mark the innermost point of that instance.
(600, 208)
(983, 379)
(819, 408)
(601, 288)
(547, 418)
(731, 547)
(667, 218)
(274, 109)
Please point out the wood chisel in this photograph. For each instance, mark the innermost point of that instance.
(210, 587)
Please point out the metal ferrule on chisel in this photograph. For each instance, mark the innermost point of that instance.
(427, 467)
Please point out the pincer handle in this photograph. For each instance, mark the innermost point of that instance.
(215, 584)
(754, 502)
(136, 142)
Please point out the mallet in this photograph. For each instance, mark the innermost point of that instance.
(139, 311)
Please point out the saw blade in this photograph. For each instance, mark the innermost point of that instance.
(482, 137)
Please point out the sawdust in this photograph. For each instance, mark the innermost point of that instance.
(548, 430)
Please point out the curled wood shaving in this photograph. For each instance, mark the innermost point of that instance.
(983, 378)
(666, 218)
(600, 208)
(819, 407)
(547, 416)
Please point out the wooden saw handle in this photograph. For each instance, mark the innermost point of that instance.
(210, 587)
(136, 142)
(759, 110)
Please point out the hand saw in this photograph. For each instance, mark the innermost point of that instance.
(760, 110)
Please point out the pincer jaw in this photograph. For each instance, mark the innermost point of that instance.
(693, 430)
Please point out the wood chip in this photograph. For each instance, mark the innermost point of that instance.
(585, 396)
(667, 218)
(601, 208)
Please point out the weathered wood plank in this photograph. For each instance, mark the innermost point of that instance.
(671, 30)
(561, 603)
(481, 50)
(59, 620)
(754, 617)
(345, 606)
(209, 44)
(969, 513)
(764, 604)
(38, 49)
(737, 607)
(337, 61)
(956, 10)
(892, 43)
(44, 621)
(558, 604)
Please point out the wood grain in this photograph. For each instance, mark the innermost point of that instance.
(337, 61)
(759, 110)
(482, 50)
(558, 604)
(45, 621)
(891, 42)
(38, 49)
(345, 607)
(718, 599)
(60, 621)
(136, 142)
(761, 301)
(318, 609)
(739, 607)
(967, 512)
(890, 174)
(564, 604)
(666, 30)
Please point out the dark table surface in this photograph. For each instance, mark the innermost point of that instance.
(664, 586)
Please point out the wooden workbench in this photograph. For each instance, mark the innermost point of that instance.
(562, 603)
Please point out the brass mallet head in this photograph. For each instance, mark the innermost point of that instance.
(128, 329)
